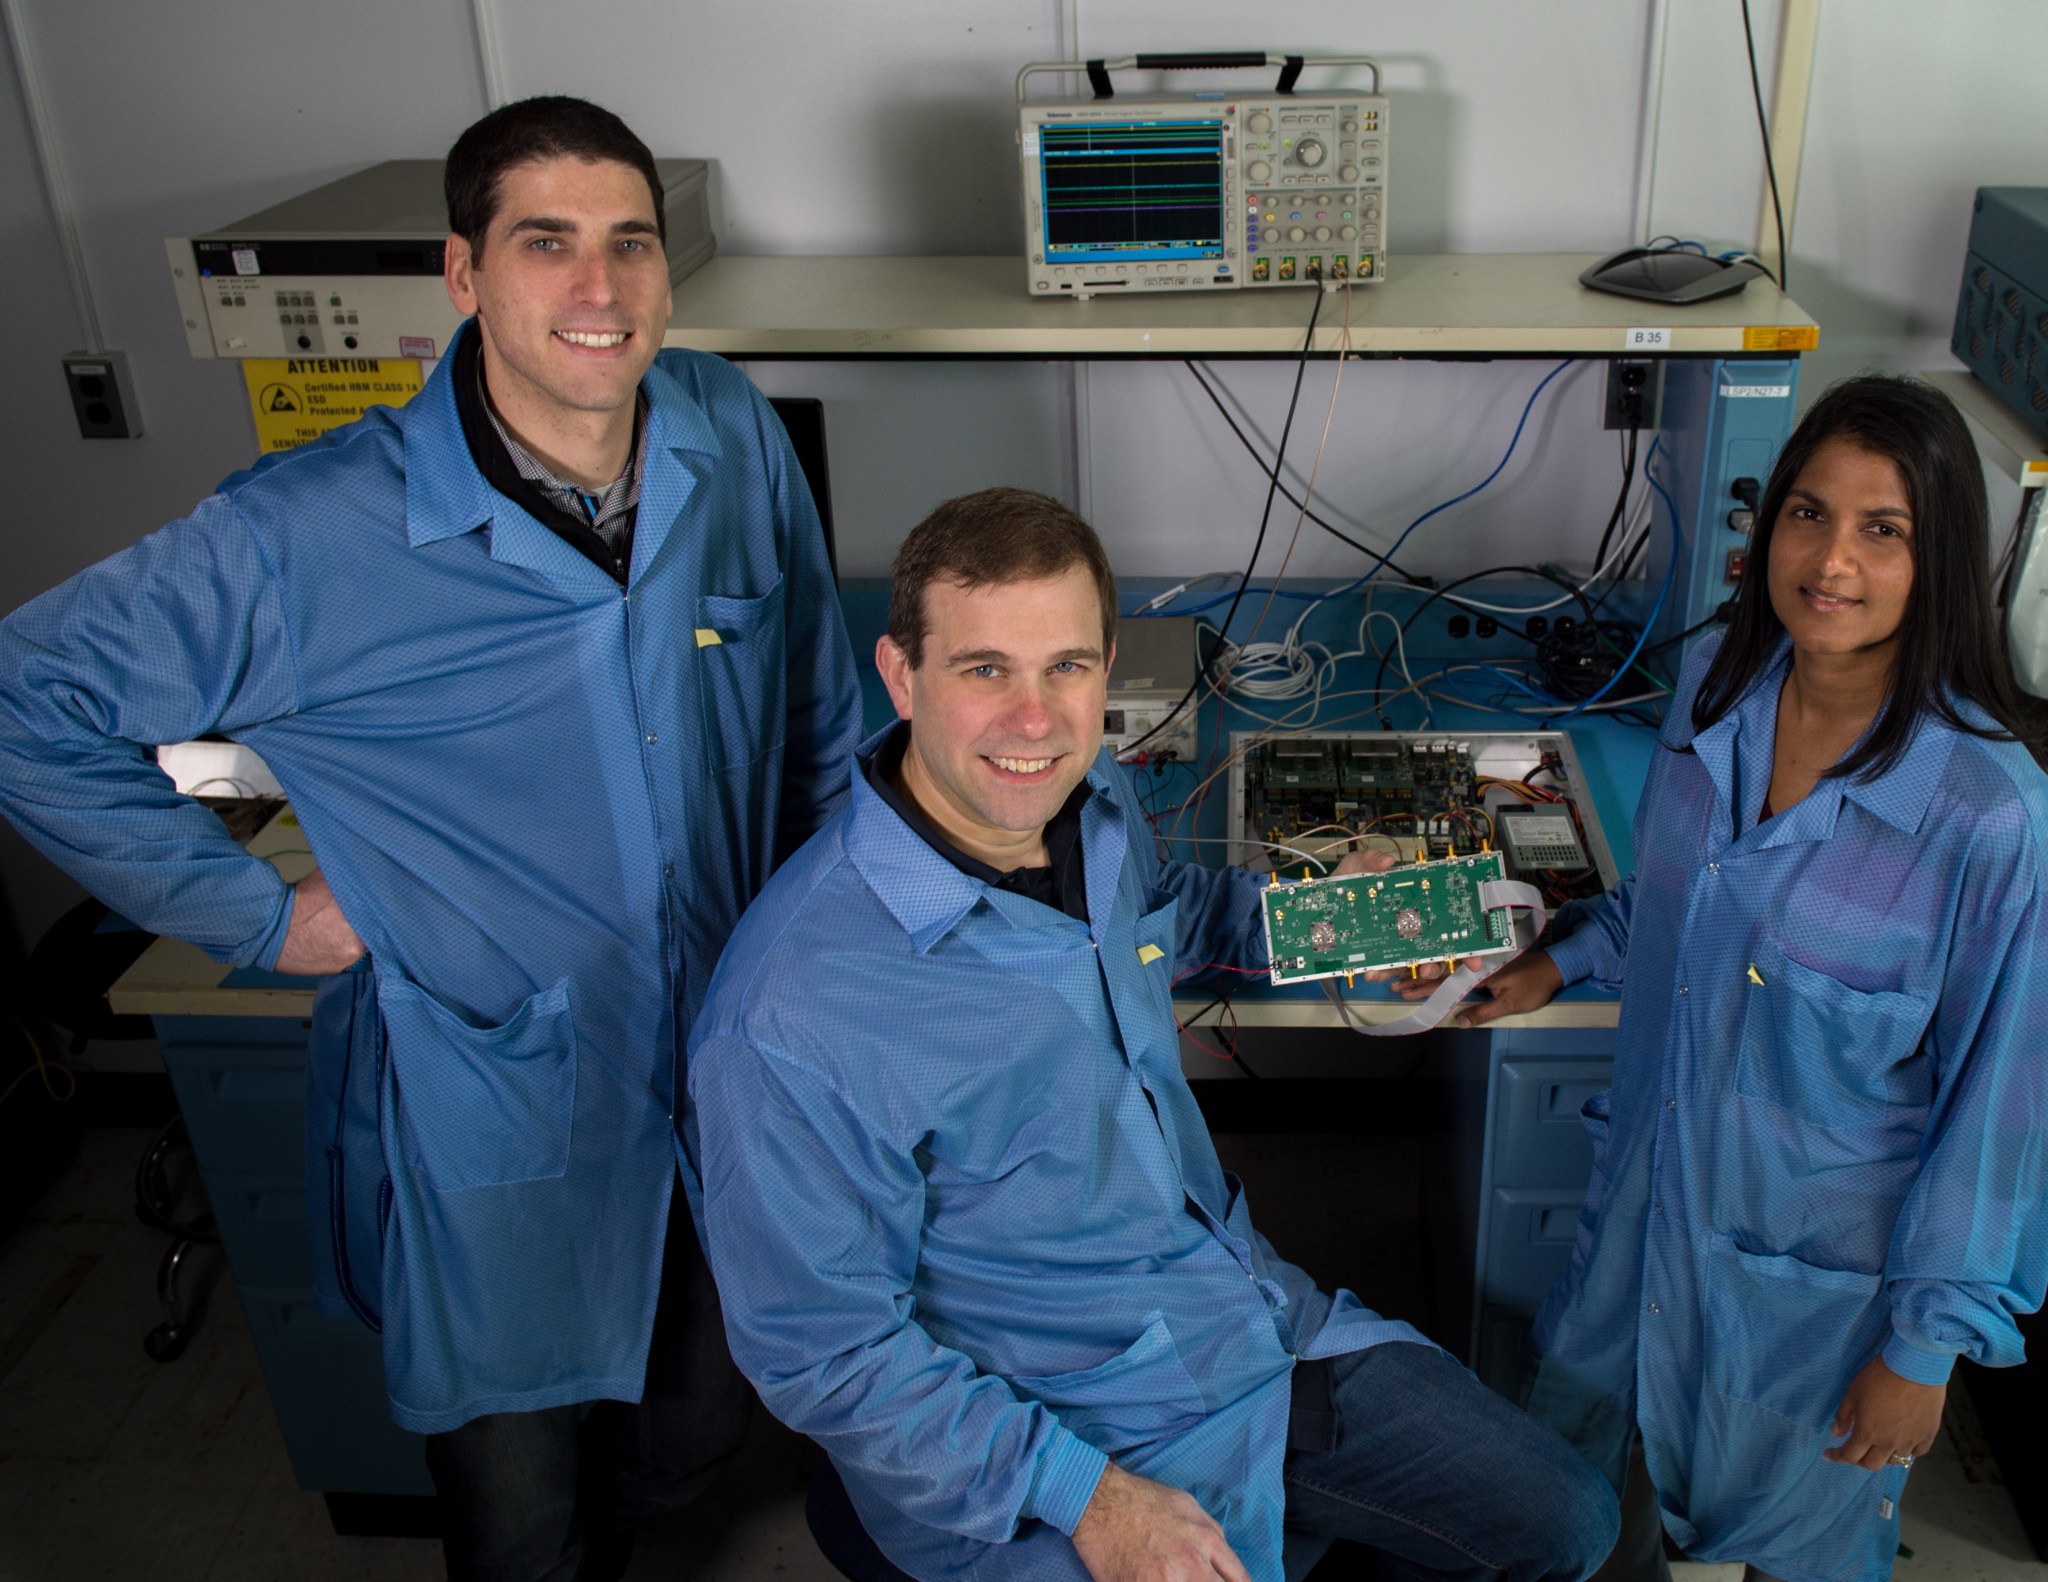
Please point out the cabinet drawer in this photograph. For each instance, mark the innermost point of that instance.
(263, 1226)
(205, 1032)
(1528, 1243)
(1538, 1140)
(326, 1379)
(245, 1105)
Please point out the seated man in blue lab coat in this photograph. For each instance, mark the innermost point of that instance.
(551, 666)
(968, 1226)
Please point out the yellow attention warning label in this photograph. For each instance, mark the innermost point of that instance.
(294, 399)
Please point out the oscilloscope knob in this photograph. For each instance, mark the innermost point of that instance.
(1348, 173)
(1297, 235)
(1310, 152)
(1322, 233)
(1258, 121)
(1347, 232)
(1259, 170)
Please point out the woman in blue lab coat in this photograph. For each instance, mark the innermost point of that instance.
(1819, 1176)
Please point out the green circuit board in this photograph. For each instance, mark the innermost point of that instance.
(1428, 911)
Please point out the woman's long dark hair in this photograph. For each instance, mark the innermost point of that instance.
(1949, 644)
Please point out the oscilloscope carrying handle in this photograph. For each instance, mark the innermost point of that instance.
(1216, 60)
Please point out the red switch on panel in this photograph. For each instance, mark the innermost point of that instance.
(1736, 559)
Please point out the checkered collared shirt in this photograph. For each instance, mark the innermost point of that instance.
(611, 509)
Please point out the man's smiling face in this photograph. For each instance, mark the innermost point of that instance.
(570, 291)
(1005, 711)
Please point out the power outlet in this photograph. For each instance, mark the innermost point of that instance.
(1635, 393)
(102, 395)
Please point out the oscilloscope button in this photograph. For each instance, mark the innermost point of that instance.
(1258, 121)
(1270, 234)
(1349, 173)
(1322, 233)
(1259, 170)
(1297, 235)
(1347, 231)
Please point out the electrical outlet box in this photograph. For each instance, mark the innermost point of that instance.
(102, 395)
(1635, 393)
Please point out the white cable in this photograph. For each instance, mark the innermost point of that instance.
(1160, 600)
(1470, 973)
(55, 184)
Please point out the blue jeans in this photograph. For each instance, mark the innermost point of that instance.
(560, 1495)
(1446, 1479)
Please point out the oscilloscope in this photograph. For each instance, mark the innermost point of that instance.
(1212, 191)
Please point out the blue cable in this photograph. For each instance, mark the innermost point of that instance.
(1650, 620)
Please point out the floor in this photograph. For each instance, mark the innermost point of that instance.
(116, 1466)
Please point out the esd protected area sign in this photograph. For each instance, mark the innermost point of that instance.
(296, 399)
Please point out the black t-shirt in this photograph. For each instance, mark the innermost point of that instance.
(1061, 885)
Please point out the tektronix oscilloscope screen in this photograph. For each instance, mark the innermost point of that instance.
(1136, 190)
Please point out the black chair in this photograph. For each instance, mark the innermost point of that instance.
(167, 1341)
(71, 969)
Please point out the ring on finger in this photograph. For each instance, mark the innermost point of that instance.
(1902, 1458)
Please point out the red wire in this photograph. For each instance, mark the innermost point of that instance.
(1219, 966)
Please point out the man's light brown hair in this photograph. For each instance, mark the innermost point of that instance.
(981, 540)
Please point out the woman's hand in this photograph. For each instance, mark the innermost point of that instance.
(1528, 983)
(1886, 1417)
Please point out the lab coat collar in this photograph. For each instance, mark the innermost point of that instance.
(446, 496)
(1736, 752)
(929, 896)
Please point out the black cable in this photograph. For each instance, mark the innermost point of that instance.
(1756, 88)
(1265, 518)
(1579, 660)
(1691, 631)
(1380, 675)
(1287, 494)
(1621, 572)
(1628, 477)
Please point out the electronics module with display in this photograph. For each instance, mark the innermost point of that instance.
(1206, 191)
(1311, 797)
(1332, 927)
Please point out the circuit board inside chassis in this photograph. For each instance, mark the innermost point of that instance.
(1428, 911)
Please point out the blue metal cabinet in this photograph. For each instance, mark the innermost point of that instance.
(1504, 1194)
(241, 1083)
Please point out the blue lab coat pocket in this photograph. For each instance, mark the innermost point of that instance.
(1831, 1055)
(742, 686)
(481, 1105)
(1141, 1394)
(1787, 1335)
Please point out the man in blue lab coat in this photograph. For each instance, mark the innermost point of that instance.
(968, 1225)
(551, 666)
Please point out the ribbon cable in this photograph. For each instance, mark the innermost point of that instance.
(1493, 894)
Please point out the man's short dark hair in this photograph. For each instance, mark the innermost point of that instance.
(996, 536)
(551, 127)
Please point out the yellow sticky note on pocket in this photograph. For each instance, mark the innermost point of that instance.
(708, 638)
(1147, 954)
(1755, 977)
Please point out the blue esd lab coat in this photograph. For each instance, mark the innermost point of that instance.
(969, 1229)
(541, 801)
(1828, 1132)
